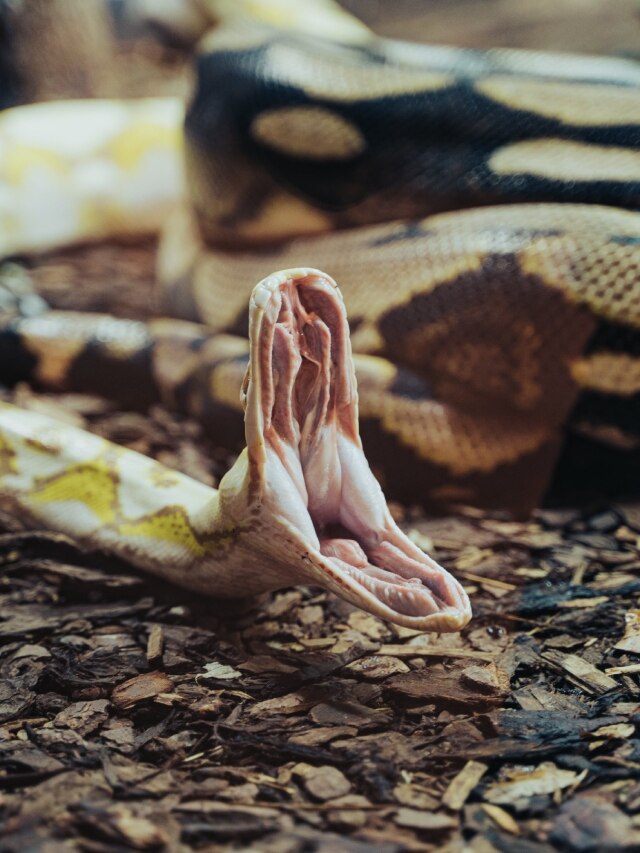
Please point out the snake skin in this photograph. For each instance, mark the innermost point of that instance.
(514, 325)
(497, 348)
(479, 209)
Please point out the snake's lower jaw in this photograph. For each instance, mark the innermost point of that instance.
(425, 597)
(322, 515)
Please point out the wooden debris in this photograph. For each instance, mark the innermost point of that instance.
(451, 685)
(415, 796)
(431, 821)
(139, 689)
(122, 824)
(486, 679)
(582, 672)
(630, 642)
(520, 784)
(377, 667)
(419, 651)
(323, 783)
(502, 818)
(626, 669)
(155, 644)
(463, 784)
(615, 730)
(219, 672)
(83, 717)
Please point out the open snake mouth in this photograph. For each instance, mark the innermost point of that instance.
(303, 441)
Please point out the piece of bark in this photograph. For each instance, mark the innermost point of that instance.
(425, 821)
(445, 685)
(140, 689)
(324, 783)
(523, 783)
(155, 646)
(585, 673)
(461, 785)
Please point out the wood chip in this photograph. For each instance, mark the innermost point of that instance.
(593, 679)
(461, 785)
(630, 642)
(419, 650)
(155, 644)
(491, 582)
(83, 717)
(265, 663)
(140, 688)
(502, 818)
(376, 667)
(587, 824)
(347, 714)
(140, 832)
(582, 603)
(617, 730)
(220, 672)
(433, 821)
(368, 625)
(626, 669)
(523, 783)
(486, 679)
(292, 703)
(322, 734)
(447, 685)
(325, 783)
(416, 797)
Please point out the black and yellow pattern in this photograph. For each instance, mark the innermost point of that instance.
(479, 209)
(292, 135)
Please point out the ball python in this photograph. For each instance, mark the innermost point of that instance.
(494, 344)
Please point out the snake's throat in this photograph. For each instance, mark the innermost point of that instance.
(308, 466)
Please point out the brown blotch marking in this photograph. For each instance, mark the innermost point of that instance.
(497, 337)
(7, 458)
(255, 478)
(172, 524)
(41, 447)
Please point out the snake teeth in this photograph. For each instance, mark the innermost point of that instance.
(303, 442)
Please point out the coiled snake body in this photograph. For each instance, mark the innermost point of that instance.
(489, 342)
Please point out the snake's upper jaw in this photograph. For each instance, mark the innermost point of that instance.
(322, 514)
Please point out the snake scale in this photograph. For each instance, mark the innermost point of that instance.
(479, 211)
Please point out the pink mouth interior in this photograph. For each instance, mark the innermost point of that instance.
(317, 473)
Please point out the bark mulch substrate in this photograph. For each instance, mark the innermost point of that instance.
(133, 716)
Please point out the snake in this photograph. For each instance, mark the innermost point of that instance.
(478, 209)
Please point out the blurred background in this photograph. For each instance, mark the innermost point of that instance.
(591, 26)
(107, 48)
